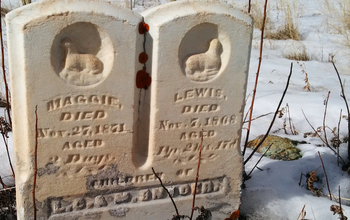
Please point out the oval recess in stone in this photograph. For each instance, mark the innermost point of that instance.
(204, 52)
(82, 54)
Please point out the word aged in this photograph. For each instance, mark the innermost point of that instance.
(197, 135)
(83, 144)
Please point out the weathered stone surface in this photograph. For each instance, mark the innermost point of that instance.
(199, 64)
(281, 148)
(75, 61)
(99, 135)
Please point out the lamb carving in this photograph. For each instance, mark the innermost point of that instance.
(80, 68)
(205, 66)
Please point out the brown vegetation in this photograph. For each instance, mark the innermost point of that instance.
(290, 28)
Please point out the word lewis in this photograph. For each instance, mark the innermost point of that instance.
(199, 93)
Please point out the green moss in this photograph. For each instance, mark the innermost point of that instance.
(281, 148)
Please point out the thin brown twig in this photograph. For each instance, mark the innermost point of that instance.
(249, 6)
(256, 78)
(245, 116)
(289, 120)
(195, 184)
(7, 94)
(259, 160)
(3, 184)
(324, 117)
(324, 170)
(319, 136)
(8, 189)
(274, 117)
(338, 135)
(341, 210)
(291, 125)
(336, 197)
(301, 177)
(4, 76)
(35, 159)
(301, 213)
(172, 200)
(346, 103)
(285, 126)
(260, 116)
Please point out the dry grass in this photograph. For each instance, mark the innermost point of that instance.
(346, 16)
(7, 6)
(289, 30)
(257, 14)
(299, 54)
(345, 19)
(4, 11)
(341, 13)
(26, 2)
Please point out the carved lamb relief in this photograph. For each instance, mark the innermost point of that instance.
(79, 68)
(204, 66)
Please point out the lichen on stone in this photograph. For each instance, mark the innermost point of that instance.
(281, 148)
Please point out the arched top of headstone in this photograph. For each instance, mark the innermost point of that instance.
(49, 8)
(167, 12)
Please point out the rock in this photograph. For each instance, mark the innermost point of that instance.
(281, 148)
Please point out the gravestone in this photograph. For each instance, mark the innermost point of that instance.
(200, 61)
(103, 123)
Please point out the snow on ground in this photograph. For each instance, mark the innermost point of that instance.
(273, 192)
